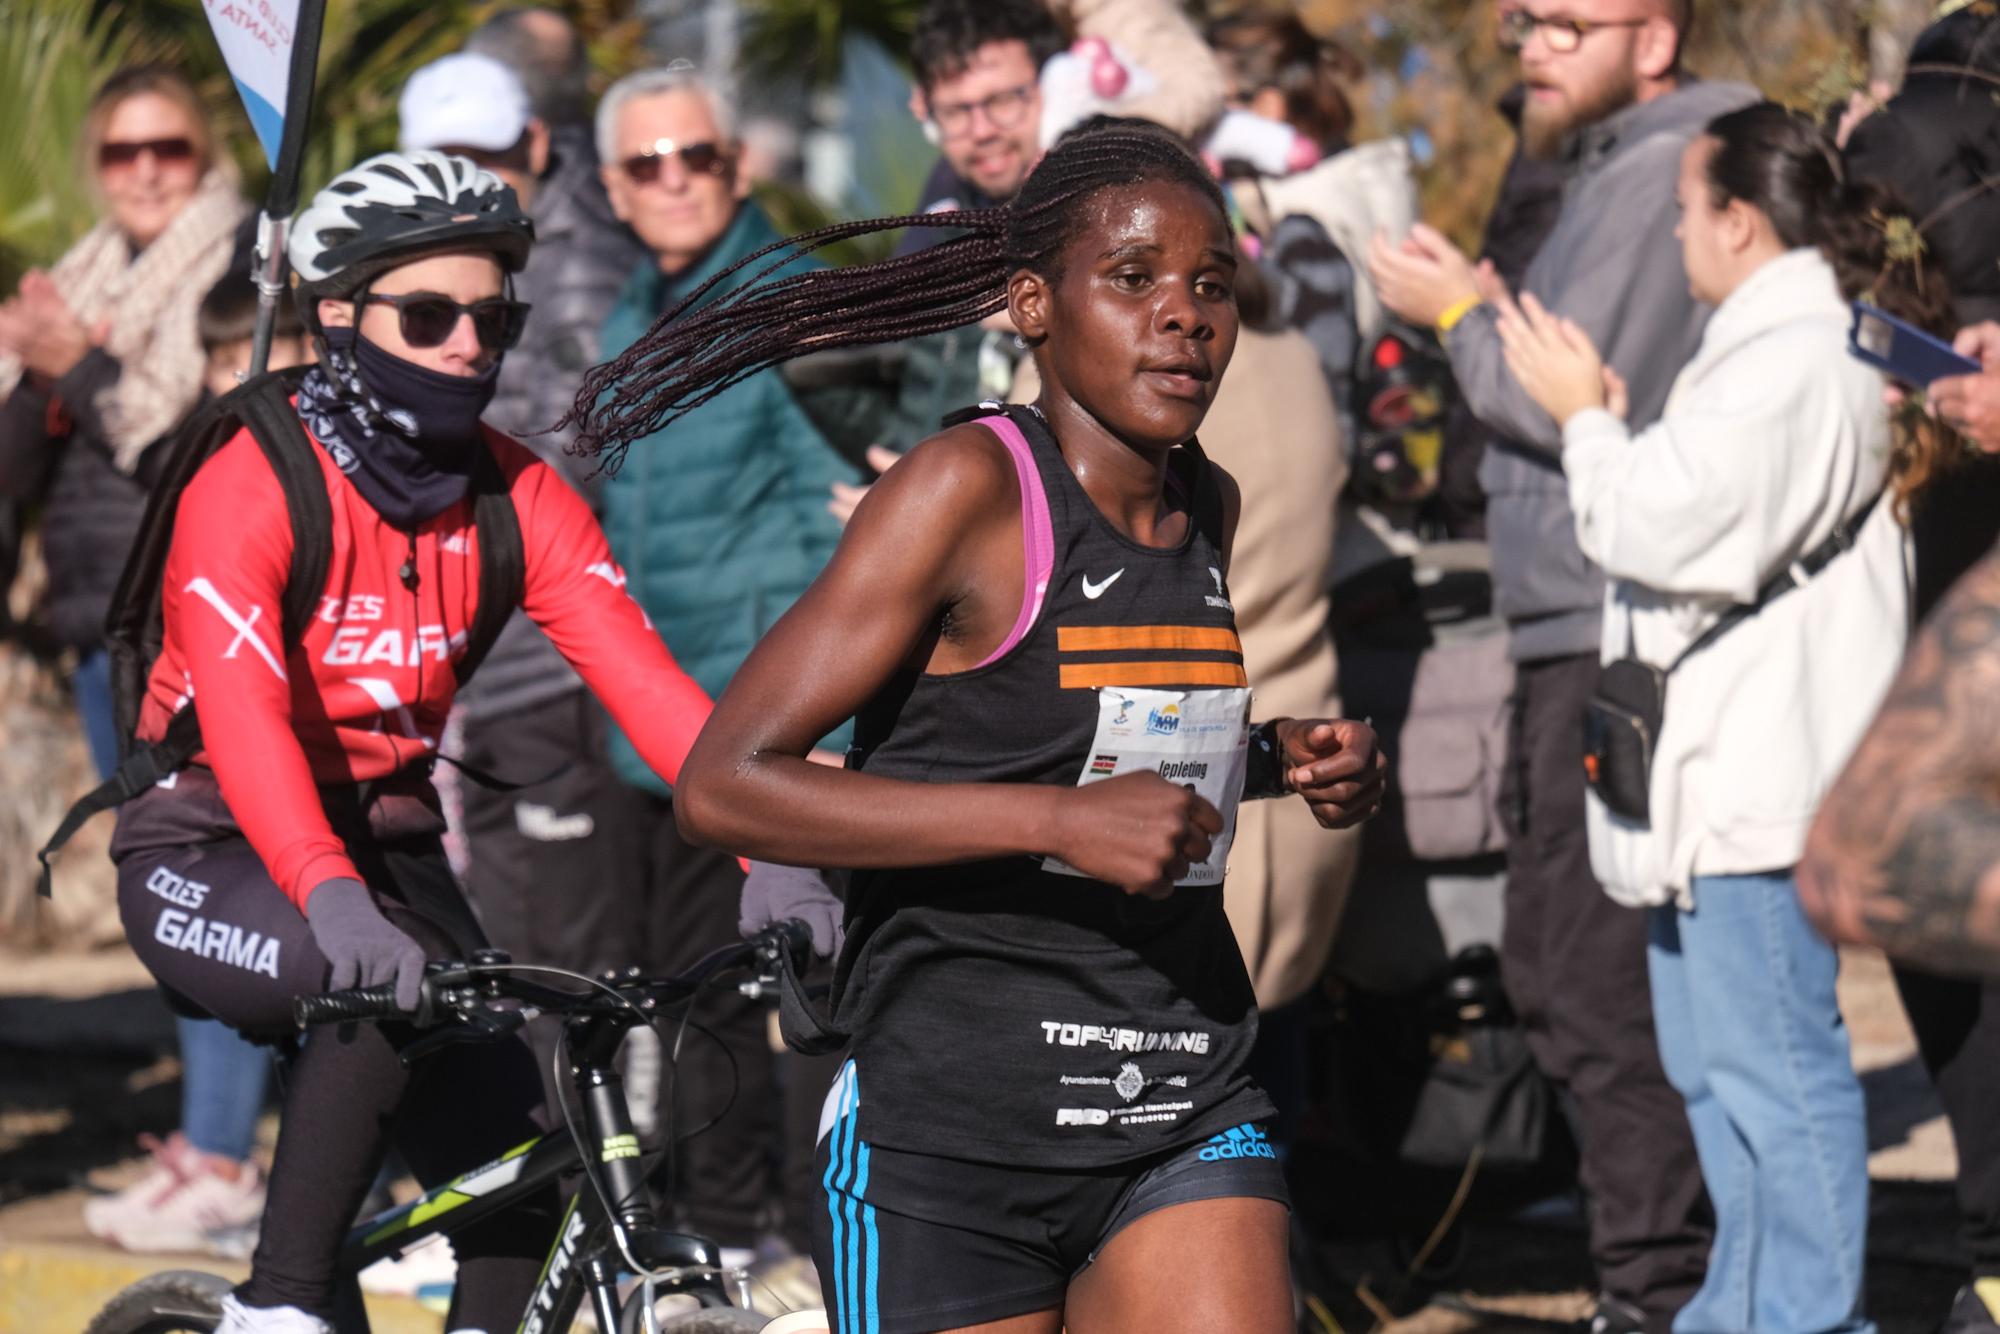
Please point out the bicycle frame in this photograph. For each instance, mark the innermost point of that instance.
(583, 1258)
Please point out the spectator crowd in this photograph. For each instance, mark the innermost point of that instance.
(1615, 537)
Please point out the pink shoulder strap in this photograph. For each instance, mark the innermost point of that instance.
(1038, 542)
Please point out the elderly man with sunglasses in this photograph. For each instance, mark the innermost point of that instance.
(720, 522)
(1609, 103)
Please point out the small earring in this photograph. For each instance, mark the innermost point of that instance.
(1020, 343)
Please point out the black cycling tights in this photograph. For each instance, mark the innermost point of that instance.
(213, 927)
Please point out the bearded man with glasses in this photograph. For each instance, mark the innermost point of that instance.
(1609, 103)
(720, 523)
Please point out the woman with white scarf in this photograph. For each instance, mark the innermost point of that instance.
(99, 356)
(1774, 454)
(100, 360)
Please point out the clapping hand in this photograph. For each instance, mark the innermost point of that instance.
(39, 327)
(1424, 277)
(1554, 360)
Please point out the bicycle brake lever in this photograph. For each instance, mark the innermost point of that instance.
(475, 1025)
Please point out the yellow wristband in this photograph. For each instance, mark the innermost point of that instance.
(1457, 311)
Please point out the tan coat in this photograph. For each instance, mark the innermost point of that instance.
(1273, 427)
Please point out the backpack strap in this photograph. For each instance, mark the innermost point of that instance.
(133, 629)
(502, 561)
(275, 426)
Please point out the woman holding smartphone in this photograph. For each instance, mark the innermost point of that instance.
(1775, 454)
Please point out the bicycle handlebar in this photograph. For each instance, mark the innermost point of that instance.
(333, 1007)
(786, 943)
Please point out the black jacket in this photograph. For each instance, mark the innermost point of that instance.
(581, 259)
(1935, 144)
(91, 510)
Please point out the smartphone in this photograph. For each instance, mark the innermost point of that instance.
(1903, 350)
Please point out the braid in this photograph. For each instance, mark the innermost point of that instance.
(695, 352)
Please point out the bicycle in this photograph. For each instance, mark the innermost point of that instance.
(609, 1233)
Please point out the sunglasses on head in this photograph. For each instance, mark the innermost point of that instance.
(704, 159)
(127, 153)
(427, 318)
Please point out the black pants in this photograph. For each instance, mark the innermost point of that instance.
(216, 931)
(558, 868)
(1574, 964)
(1958, 1031)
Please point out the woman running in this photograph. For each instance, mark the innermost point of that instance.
(1047, 1112)
(300, 852)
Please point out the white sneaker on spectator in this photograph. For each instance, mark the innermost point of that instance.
(240, 1319)
(187, 1201)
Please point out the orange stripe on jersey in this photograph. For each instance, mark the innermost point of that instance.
(1088, 676)
(1102, 638)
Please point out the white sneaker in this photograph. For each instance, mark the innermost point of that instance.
(183, 1203)
(240, 1319)
(429, 1266)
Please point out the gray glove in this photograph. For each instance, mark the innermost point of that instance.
(771, 893)
(364, 949)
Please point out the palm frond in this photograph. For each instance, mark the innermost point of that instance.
(52, 57)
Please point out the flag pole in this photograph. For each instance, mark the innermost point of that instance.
(274, 222)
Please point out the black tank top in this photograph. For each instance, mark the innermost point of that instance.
(1000, 1012)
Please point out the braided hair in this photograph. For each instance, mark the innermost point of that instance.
(695, 352)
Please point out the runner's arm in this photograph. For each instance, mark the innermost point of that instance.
(913, 548)
(576, 593)
(224, 604)
(1905, 852)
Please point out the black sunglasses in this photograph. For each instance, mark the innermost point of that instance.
(163, 151)
(702, 159)
(427, 318)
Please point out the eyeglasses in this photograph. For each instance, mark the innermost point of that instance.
(1563, 35)
(703, 159)
(428, 318)
(164, 151)
(1006, 109)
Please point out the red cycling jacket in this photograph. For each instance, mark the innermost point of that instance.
(367, 691)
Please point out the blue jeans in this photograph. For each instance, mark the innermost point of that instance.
(1751, 1036)
(92, 684)
(222, 1076)
(222, 1087)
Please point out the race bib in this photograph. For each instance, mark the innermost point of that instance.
(1198, 738)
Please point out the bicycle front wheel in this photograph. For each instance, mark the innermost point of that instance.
(179, 1301)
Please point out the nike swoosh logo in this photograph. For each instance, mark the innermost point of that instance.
(1096, 591)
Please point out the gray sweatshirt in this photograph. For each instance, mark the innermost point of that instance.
(1613, 265)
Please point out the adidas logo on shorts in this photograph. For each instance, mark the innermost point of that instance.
(1244, 1141)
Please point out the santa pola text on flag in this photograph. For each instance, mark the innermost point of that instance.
(256, 40)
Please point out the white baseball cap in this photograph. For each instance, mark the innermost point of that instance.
(464, 99)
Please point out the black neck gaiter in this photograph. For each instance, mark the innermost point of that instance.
(402, 434)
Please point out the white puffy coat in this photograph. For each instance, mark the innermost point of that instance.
(1772, 435)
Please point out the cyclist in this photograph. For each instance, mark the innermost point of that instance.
(1047, 1106)
(301, 852)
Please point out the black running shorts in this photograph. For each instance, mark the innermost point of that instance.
(908, 1243)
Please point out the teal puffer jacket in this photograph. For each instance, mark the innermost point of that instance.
(720, 519)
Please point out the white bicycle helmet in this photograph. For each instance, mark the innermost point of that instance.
(396, 207)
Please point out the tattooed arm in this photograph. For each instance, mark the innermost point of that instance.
(1905, 853)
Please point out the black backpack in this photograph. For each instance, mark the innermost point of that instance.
(134, 629)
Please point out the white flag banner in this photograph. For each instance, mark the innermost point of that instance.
(256, 40)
